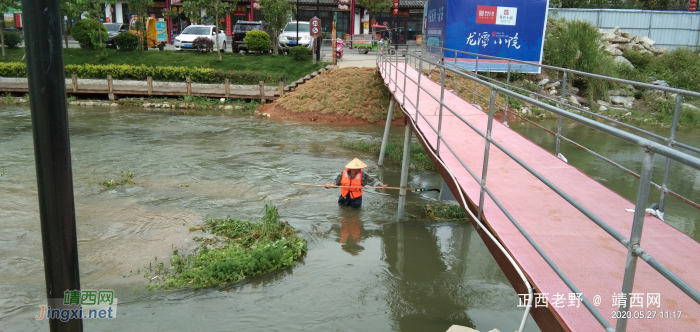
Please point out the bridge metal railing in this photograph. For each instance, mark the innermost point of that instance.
(392, 65)
(440, 55)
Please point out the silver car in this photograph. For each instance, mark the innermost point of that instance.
(288, 37)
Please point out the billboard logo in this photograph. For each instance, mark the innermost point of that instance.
(486, 14)
(506, 15)
(496, 15)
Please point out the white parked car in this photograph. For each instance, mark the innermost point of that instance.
(184, 40)
(288, 37)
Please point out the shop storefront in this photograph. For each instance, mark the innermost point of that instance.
(406, 25)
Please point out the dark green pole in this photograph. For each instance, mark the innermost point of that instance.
(47, 96)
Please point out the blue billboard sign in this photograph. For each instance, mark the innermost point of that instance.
(512, 29)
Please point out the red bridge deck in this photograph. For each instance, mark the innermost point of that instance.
(592, 259)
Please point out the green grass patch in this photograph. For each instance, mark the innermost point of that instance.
(239, 249)
(259, 64)
(419, 159)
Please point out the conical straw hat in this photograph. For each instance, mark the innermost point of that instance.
(356, 164)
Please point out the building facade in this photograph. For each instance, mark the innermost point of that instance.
(405, 26)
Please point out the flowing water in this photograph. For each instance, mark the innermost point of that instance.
(363, 272)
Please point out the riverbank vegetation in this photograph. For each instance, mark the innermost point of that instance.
(236, 249)
(419, 159)
(171, 66)
(442, 212)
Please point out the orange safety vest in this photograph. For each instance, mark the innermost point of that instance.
(347, 181)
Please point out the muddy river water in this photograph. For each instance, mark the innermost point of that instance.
(364, 271)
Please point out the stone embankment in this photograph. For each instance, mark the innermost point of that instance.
(615, 41)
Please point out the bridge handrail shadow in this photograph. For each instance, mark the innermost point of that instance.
(390, 66)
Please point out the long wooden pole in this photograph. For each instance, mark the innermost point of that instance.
(334, 186)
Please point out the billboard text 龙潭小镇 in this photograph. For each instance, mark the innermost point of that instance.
(512, 29)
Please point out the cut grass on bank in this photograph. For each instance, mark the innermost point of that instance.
(231, 61)
(355, 92)
(419, 159)
(237, 250)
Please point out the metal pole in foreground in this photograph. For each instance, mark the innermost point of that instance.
(404, 169)
(636, 235)
(386, 132)
(47, 96)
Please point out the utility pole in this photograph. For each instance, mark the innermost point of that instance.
(47, 97)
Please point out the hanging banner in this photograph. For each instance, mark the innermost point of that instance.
(512, 29)
(228, 25)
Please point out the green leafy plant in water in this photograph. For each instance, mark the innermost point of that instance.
(126, 178)
(240, 249)
(443, 212)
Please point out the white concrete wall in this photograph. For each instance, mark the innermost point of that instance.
(108, 13)
(118, 12)
(358, 25)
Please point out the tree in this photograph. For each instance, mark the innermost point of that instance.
(375, 7)
(277, 14)
(71, 9)
(214, 9)
(5, 6)
(140, 7)
(96, 12)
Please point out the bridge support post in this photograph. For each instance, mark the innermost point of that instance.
(636, 235)
(505, 117)
(404, 169)
(386, 132)
(561, 105)
(667, 170)
(487, 146)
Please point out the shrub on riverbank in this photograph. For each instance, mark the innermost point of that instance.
(257, 41)
(81, 32)
(281, 67)
(238, 249)
(165, 73)
(12, 39)
(575, 44)
(126, 41)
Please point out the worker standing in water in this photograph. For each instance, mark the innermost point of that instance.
(353, 176)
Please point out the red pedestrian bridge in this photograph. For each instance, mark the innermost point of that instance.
(587, 258)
